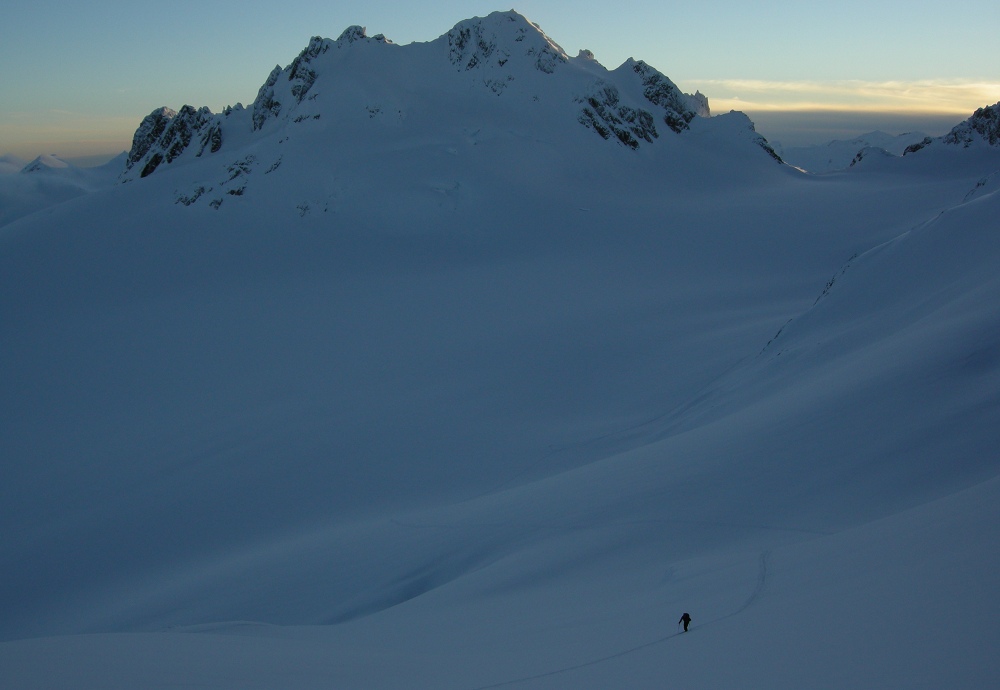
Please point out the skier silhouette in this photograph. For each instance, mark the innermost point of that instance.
(686, 620)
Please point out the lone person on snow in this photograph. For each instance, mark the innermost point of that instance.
(686, 620)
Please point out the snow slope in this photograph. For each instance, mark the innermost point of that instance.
(450, 390)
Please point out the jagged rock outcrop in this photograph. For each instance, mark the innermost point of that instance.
(165, 134)
(984, 125)
(149, 132)
(604, 112)
(678, 108)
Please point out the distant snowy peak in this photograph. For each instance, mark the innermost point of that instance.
(45, 163)
(841, 154)
(983, 128)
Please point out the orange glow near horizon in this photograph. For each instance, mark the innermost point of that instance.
(911, 98)
(67, 134)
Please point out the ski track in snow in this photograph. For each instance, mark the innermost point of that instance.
(759, 587)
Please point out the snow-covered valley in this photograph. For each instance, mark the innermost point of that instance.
(471, 364)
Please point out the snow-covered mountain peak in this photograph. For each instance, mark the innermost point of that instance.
(492, 41)
(351, 34)
(45, 162)
(500, 69)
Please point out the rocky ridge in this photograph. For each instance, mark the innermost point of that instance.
(983, 126)
(497, 51)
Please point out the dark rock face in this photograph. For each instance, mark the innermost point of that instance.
(266, 105)
(301, 74)
(165, 134)
(678, 108)
(913, 148)
(149, 132)
(604, 113)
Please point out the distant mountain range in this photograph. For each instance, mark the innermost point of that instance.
(839, 154)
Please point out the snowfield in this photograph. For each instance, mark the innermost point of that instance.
(410, 375)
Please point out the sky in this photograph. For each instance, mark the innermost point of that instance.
(79, 77)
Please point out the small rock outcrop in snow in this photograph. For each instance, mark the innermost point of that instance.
(868, 152)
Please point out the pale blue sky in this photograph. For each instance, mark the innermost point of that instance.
(78, 77)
